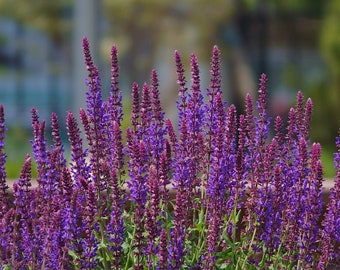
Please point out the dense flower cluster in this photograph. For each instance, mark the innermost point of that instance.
(219, 192)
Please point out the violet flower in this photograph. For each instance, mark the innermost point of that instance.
(215, 188)
(115, 93)
(172, 135)
(153, 211)
(330, 235)
(163, 251)
(157, 127)
(22, 202)
(39, 149)
(257, 133)
(7, 236)
(196, 123)
(47, 185)
(3, 186)
(76, 217)
(95, 122)
(181, 81)
(215, 72)
(181, 180)
(138, 191)
(79, 167)
(219, 179)
(230, 159)
(241, 172)
(115, 111)
(135, 117)
(212, 90)
(189, 150)
(90, 226)
(165, 172)
(144, 130)
(312, 209)
(115, 228)
(57, 152)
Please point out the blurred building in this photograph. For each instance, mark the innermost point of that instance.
(28, 77)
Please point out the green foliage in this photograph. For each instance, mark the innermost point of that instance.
(327, 159)
(326, 93)
(44, 15)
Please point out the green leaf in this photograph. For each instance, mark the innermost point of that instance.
(73, 254)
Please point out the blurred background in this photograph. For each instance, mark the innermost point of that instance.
(296, 43)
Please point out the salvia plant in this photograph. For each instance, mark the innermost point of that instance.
(223, 190)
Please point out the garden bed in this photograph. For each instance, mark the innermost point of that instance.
(244, 199)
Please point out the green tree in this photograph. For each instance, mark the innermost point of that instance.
(49, 16)
(328, 92)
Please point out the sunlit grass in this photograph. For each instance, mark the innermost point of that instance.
(327, 159)
(17, 145)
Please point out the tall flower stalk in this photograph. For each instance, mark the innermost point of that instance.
(3, 186)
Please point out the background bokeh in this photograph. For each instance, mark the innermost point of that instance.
(296, 43)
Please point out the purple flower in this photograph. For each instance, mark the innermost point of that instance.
(213, 238)
(90, 225)
(39, 149)
(153, 211)
(135, 107)
(195, 110)
(116, 151)
(176, 245)
(115, 93)
(330, 235)
(279, 137)
(3, 186)
(7, 236)
(22, 203)
(145, 115)
(158, 113)
(115, 111)
(138, 190)
(157, 128)
(262, 122)
(115, 228)
(307, 117)
(95, 122)
(213, 105)
(262, 99)
(146, 129)
(172, 135)
(79, 167)
(216, 188)
(188, 156)
(181, 81)
(164, 171)
(163, 251)
(58, 161)
(250, 128)
(66, 183)
(137, 169)
(218, 163)
(215, 72)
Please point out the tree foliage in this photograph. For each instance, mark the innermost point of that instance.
(327, 93)
(49, 16)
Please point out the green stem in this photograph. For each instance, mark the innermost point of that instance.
(249, 248)
(126, 267)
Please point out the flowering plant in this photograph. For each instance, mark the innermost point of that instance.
(218, 193)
